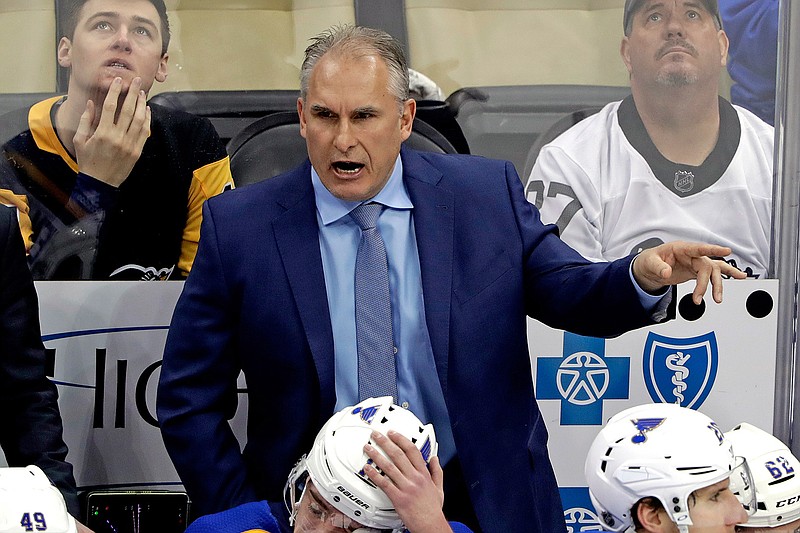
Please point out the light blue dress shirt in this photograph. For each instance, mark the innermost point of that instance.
(417, 381)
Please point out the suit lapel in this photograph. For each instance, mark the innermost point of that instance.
(433, 225)
(297, 237)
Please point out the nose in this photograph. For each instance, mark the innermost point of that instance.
(674, 25)
(344, 136)
(736, 513)
(121, 40)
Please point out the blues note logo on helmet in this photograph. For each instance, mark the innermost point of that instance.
(29, 502)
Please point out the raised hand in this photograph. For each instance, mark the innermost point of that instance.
(109, 151)
(674, 262)
(415, 489)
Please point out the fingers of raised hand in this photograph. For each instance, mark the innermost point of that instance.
(381, 471)
(437, 476)
(84, 130)
(403, 452)
(712, 270)
(389, 462)
(402, 462)
(109, 110)
(127, 133)
(134, 116)
(131, 102)
(704, 269)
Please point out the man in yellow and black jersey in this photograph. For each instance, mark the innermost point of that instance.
(107, 186)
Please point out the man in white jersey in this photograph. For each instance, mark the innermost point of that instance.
(672, 161)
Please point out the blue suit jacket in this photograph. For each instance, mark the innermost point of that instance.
(256, 300)
(31, 425)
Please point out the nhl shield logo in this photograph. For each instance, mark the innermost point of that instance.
(680, 371)
(684, 181)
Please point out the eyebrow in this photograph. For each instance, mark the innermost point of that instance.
(689, 4)
(318, 108)
(366, 109)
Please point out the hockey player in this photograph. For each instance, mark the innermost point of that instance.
(775, 473)
(29, 502)
(373, 468)
(666, 468)
(673, 160)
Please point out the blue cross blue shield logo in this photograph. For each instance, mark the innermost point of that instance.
(582, 378)
(680, 371)
(579, 513)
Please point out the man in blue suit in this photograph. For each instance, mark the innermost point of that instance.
(271, 293)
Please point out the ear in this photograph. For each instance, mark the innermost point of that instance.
(653, 519)
(625, 53)
(407, 118)
(302, 117)
(724, 44)
(64, 53)
(161, 73)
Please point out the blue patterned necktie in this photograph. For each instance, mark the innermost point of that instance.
(377, 375)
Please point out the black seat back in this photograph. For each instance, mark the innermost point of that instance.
(272, 145)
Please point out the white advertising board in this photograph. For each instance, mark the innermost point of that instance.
(107, 339)
(720, 361)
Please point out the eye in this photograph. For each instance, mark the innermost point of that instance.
(363, 115)
(693, 14)
(323, 113)
(142, 31)
(102, 25)
(654, 17)
(315, 510)
(715, 497)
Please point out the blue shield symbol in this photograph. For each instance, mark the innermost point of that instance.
(680, 371)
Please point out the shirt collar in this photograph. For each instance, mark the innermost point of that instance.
(331, 208)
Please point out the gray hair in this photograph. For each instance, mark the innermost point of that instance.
(357, 41)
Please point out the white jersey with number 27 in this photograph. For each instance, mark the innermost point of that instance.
(611, 193)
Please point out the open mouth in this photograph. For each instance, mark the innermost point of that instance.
(115, 63)
(347, 167)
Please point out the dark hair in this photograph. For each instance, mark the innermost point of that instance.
(71, 12)
(359, 40)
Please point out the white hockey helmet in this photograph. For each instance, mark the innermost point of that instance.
(657, 450)
(337, 459)
(776, 475)
(30, 502)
